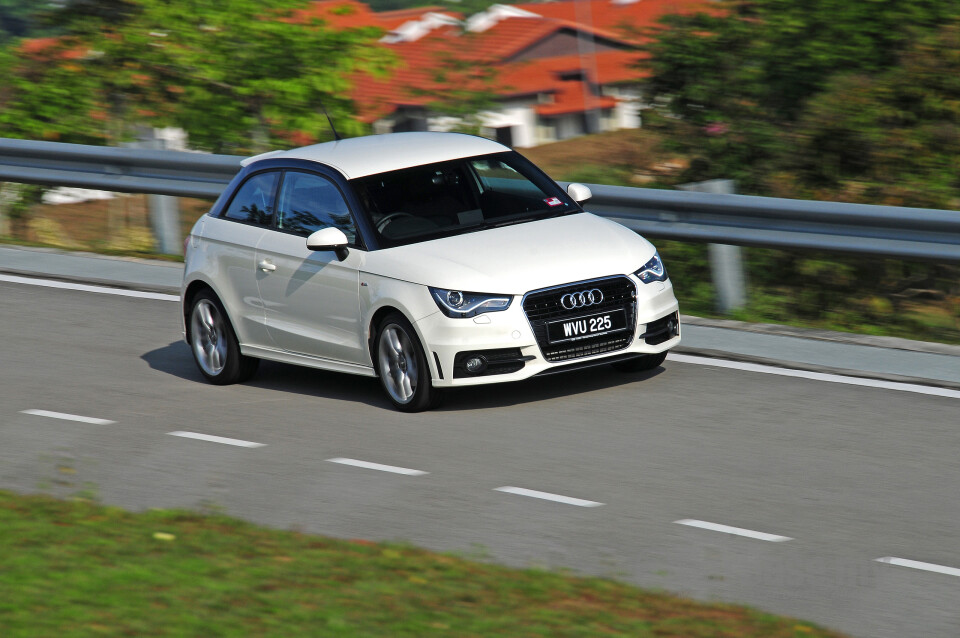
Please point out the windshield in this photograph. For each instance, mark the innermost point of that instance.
(459, 196)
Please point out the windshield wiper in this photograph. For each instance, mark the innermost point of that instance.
(548, 215)
(509, 222)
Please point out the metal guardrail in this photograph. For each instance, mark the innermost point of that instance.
(123, 170)
(886, 231)
(910, 233)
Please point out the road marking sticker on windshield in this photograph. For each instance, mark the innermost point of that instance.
(69, 417)
(216, 439)
(915, 564)
(815, 376)
(738, 531)
(378, 466)
(104, 290)
(547, 496)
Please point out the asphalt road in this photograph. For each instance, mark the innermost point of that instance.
(849, 474)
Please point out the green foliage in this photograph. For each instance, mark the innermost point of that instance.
(689, 270)
(895, 134)
(19, 18)
(87, 16)
(745, 78)
(466, 7)
(238, 76)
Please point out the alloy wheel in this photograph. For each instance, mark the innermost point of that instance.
(398, 363)
(209, 337)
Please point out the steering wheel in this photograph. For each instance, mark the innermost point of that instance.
(389, 218)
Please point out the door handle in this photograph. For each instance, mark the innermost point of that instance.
(266, 266)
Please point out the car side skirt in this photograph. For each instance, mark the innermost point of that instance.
(320, 363)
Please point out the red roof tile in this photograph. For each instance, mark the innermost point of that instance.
(573, 98)
(542, 75)
(621, 19)
(339, 14)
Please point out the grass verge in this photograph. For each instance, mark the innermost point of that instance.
(72, 568)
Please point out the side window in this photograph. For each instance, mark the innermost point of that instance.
(253, 203)
(309, 203)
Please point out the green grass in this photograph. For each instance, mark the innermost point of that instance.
(75, 568)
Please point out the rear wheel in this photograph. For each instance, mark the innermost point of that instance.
(402, 366)
(641, 363)
(214, 344)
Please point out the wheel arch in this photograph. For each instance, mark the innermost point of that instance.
(189, 294)
(373, 327)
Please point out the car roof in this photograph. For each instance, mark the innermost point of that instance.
(362, 156)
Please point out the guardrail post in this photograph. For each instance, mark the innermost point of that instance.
(5, 200)
(726, 261)
(164, 209)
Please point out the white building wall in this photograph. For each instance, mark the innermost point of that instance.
(443, 123)
(521, 119)
(629, 104)
(516, 114)
(570, 125)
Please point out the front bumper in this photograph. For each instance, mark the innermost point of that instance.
(510, 334)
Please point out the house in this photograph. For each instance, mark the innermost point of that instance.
(539, 72)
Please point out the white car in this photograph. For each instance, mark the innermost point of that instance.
(428, 260)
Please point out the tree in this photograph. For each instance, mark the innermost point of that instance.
(743, 75)
(237, 75)
(896, 134)
(87, 16)
(17, 18)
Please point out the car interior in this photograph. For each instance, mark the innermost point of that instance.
(424, 200)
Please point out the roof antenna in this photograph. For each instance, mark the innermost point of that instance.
(333, 128)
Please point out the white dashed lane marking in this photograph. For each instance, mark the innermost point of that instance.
(738, 531)
(915, 564)
(378, 466)
(547, 496)
(69, 417)
(215, 439)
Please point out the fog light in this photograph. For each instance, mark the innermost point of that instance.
(475, 365)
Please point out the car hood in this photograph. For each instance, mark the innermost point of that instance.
(519, 258)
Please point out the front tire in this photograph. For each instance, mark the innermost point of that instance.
(214, 344)
(640, 364)
(402, 366)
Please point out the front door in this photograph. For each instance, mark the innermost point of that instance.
(311, 299)
(231, 240)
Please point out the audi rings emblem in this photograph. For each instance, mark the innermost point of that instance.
(581, 299)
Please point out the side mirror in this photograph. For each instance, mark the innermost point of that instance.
(329, 239)
(579, 192)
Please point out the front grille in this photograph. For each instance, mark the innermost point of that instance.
(543, 306)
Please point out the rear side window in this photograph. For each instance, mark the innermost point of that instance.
(253, 203)
(309, 203)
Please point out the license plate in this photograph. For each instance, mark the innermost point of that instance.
(587, 326)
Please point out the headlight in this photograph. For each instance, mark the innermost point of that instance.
(461, 305)
(653, 270)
